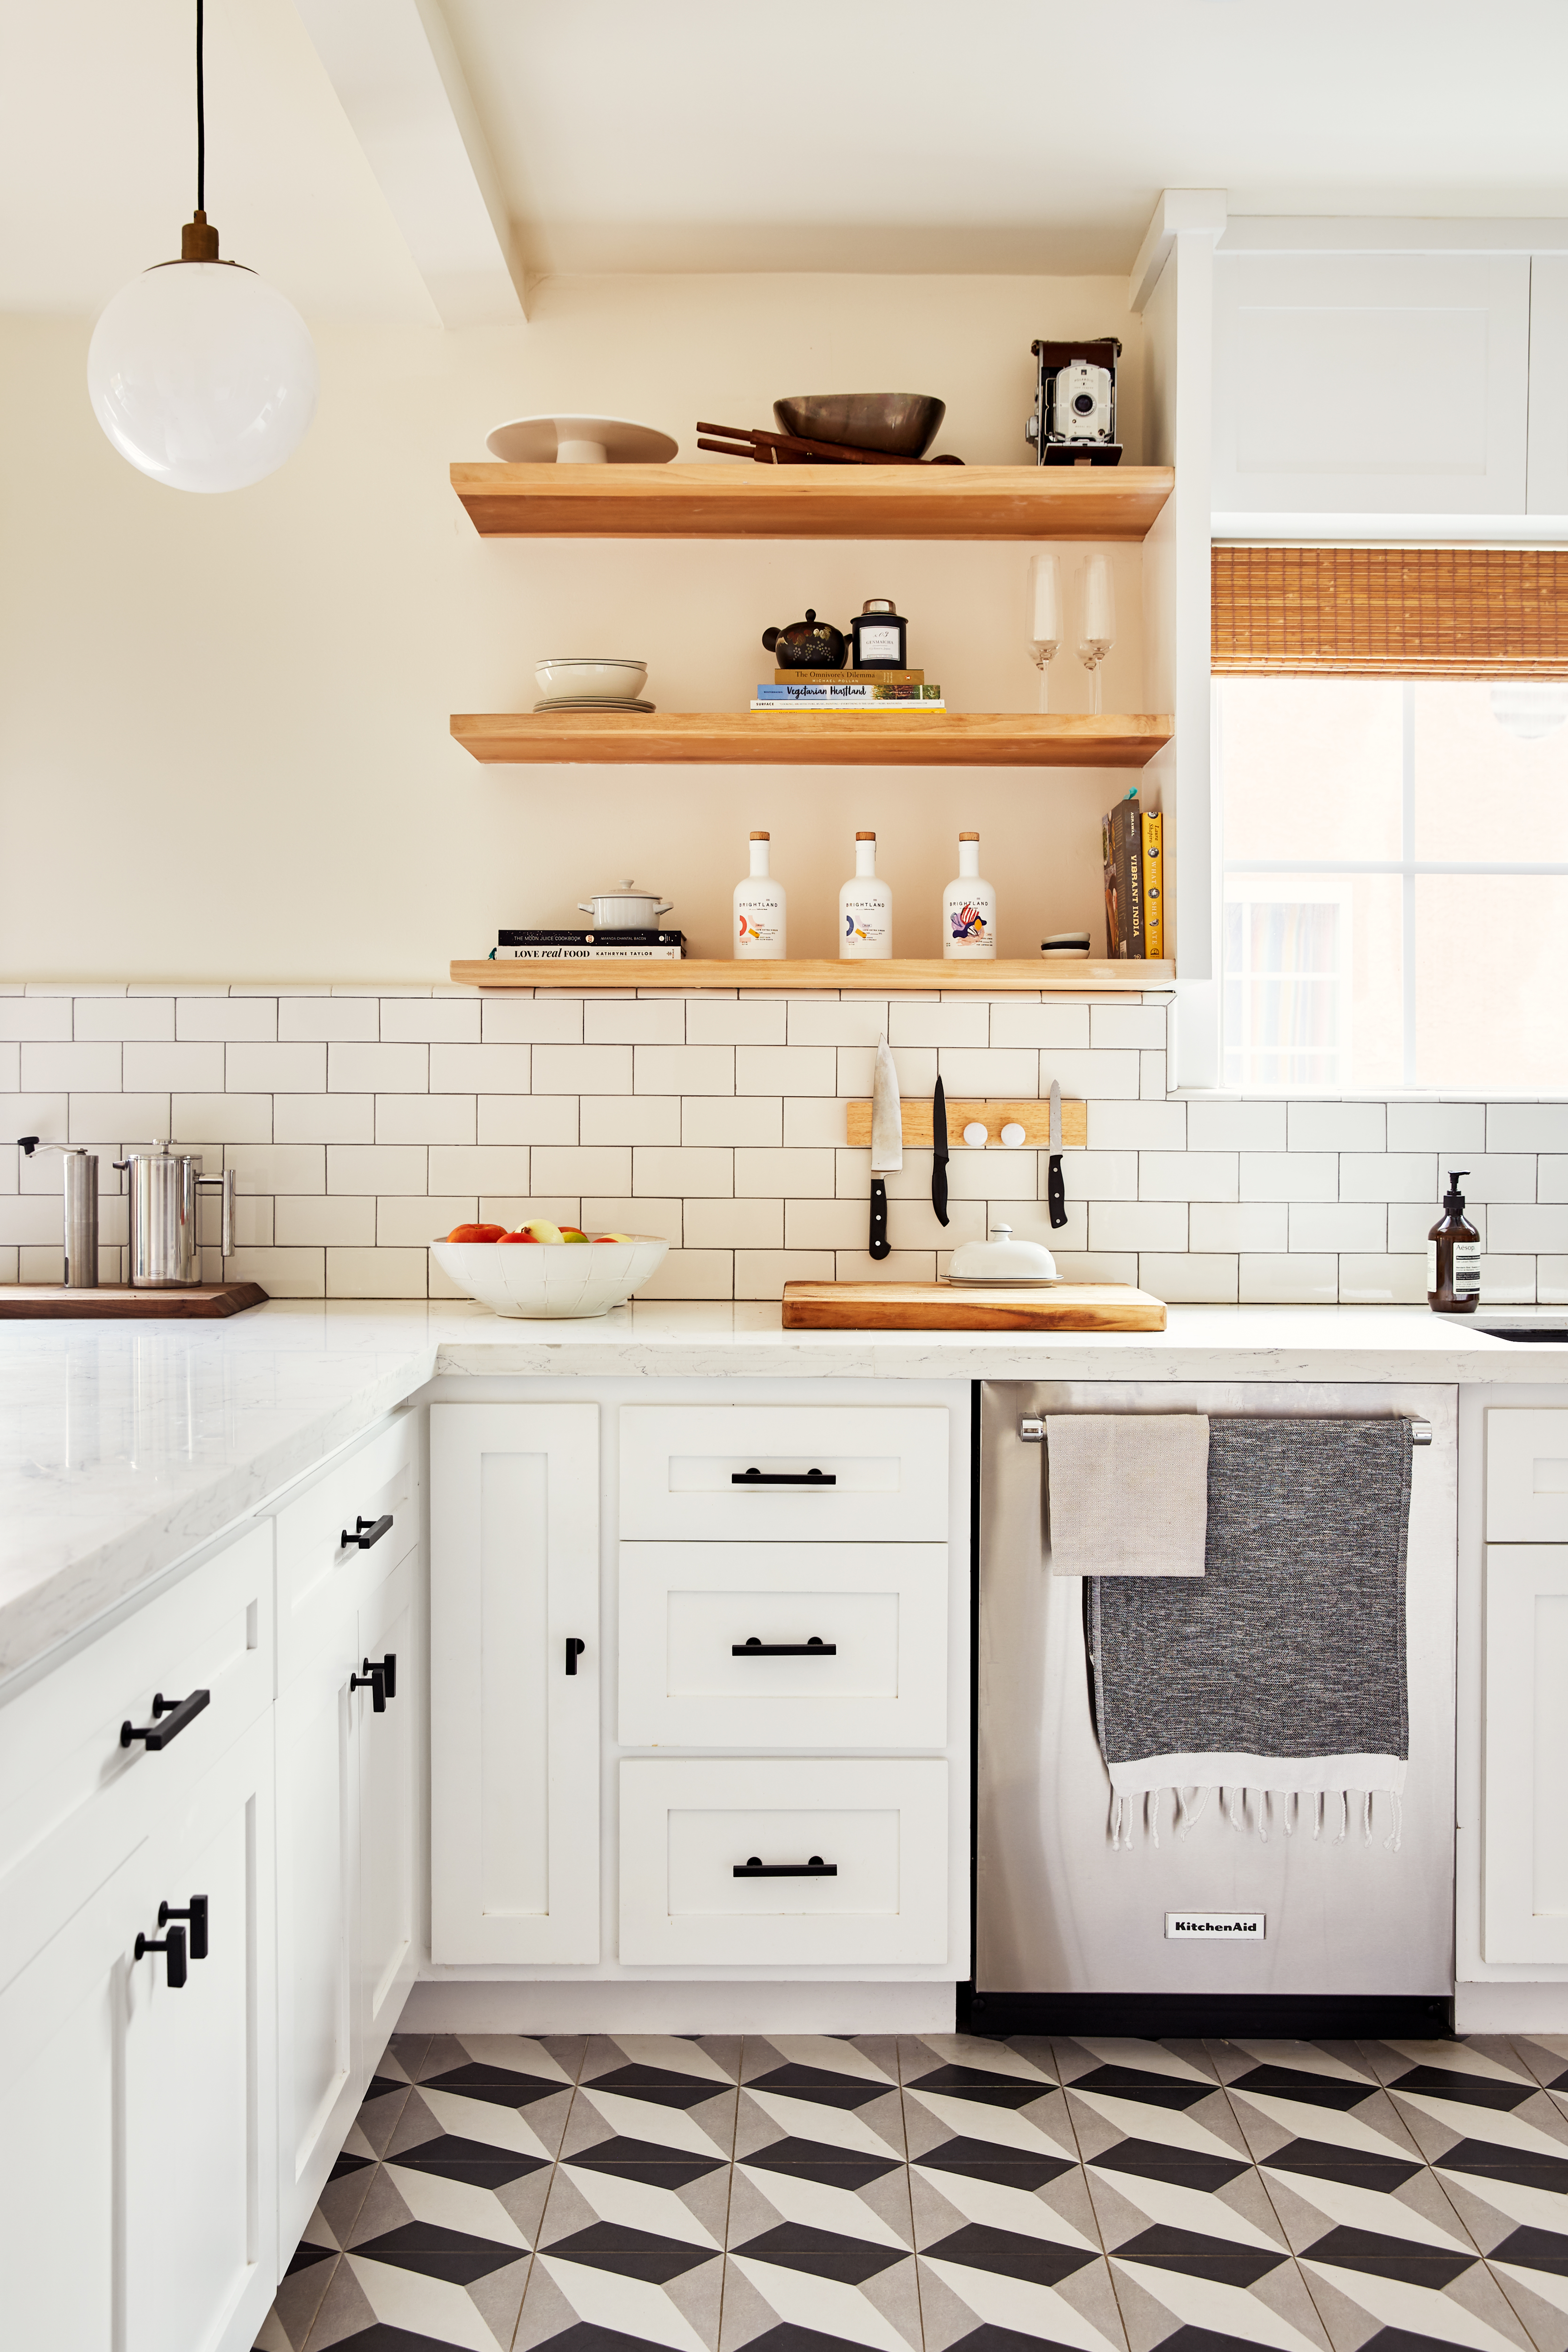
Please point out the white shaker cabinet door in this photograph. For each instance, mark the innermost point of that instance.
(514, 1681)
(1371, 384)
(317, 1877)
(1526, 1819)
(1549, 384)
(388, 1812)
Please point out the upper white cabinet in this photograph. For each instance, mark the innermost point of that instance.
(1372, 382)
(1549, 384)
(514, 1681)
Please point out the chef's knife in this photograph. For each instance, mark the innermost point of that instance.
(887, 1143)
(1055, 1193)
(939, 1153)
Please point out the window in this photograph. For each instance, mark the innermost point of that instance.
(1394, 835)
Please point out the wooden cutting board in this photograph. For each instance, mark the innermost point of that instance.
(52, 1300)
(944, 1306)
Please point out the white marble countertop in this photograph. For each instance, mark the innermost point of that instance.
(125, 1446)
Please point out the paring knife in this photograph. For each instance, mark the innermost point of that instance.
(1055, 1192)
(939, 1153)
(887, 1143)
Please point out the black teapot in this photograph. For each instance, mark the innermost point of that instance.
(810, 644)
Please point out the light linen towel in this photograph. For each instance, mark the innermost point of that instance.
(1127, 1492)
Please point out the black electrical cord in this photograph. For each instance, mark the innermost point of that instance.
(201, 122)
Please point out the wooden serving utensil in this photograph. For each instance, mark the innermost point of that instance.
(790, 449)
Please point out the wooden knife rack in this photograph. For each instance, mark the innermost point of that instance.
(1034, 1118)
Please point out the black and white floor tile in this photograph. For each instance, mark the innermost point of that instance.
(814, 2193)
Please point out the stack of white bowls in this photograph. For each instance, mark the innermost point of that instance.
(591, 682)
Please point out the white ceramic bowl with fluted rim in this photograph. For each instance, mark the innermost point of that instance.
(616, 678)
(550, 1282)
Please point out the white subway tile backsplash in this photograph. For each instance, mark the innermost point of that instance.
(1380, 1280)
(1439, 1126)
(427, 1119)
(523, 1118)
(430, 1020)
(603, 1212)
(963, 1020)
(999, 1175)
(31, 1217)
(1550, 1280)
(915, 1064)
(160, 1070)
(312, 1222)
(993, 1071)
(275, 1069)
(1128, 1025)
(1236, 1125)
(1138, 1225)
(1319, 1225)
(1290, 1176)
(790, 1175)
(141, 1017)
(734, 1023)
(583, 1069)
(860, 1266)
(479, 1069)
(70, 1068)
(223, 1119)
(550, 1020)
(132, 1118)
(1137, 1126)
(1100, 1175)
(726, 1118)
(1152, 1083)
(843, 1224)
(324, 1119)
(688, 1171)
(389, 1168)
(1188, 1277)
(762, 1274)
(1501, 1177)
(852, 1021)
(1514, 1225)
(497, 1168)
(1410, 1222)
(1054, 1028)
(282, 1273)
(39, 1019)
(377, 1273)
(683, 1070)
(1513, 1127)
(413, 1220)
(280, 1168)
(387, 1070)
(1187, 1176)
(786, 1070)
(693, 1274)
(739, 1224)
(338, 1020)
(1509, 1281)
(1098, 1076)
(10, 1069)
(1096, 1265)
(1388, 1176)
(1337, 1126)
(577, 1168)
(611, 1118)
(818, 1119)
(1552, 1177)
(1225, 1226)
(627, 1021)
(248, 1019)
(1300, 1281)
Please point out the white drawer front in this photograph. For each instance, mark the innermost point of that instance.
(1527, 1474)
(879, 1611)
(878, 1832)
(317, 1573)
(887, 1465)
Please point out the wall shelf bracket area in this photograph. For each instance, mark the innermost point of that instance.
(920, 976)
(813, 739)
(745, 501)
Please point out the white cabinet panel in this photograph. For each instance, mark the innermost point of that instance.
(687, 1827)
(707, 1474)
(317, 1572)
(1549, 384)
(715, 1640)
(1527, 1474)
(388, 1812)
(1379, 383)
(514, 1692)
(1526, 1837)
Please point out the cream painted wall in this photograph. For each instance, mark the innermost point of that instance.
(222, 721)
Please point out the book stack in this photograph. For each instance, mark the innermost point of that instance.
(849, 689)
(1132, 851)
(588, 947)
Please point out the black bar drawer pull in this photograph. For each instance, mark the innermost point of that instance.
(195, 1911)
(386, 1668)
(815, 1868)
(816, 1648)
(367, 1532)
(172, 1947)
(782, 1478)
(373, 1679)
(180, 1712)
(574, 1650)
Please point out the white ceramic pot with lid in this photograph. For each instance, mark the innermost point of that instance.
(1001, 1261)
(625, 908)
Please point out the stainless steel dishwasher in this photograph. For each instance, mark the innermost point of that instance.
(1064, 1923)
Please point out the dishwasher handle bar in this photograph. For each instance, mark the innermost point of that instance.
(1032, 1428)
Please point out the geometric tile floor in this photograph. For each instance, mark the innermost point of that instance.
(942, 2194)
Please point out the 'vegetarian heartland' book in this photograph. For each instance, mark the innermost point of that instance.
(1153, 885)
(1128, 851)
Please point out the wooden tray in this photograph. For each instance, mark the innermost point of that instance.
(941, 1307)
(52, 1300)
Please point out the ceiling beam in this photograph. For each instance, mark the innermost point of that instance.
(397, 75)
(1178, 210)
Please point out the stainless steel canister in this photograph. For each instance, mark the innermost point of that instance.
(81, 1169)
(166, 1186)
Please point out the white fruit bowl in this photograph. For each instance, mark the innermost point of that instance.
(613, 676)
(551, 1281)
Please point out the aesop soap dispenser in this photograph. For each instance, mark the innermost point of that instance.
(1453, 1256)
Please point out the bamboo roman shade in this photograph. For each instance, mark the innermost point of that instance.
(1406, 612)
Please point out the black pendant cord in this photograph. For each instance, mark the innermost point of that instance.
(201, 121)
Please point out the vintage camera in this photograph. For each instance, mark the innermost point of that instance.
(1074, 421)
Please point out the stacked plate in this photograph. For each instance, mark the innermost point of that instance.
(591, 682)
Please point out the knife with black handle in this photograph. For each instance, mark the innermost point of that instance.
(939, 1153)
(1055, 1191)
(886, 1144)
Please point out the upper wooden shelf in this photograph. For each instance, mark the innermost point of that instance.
(1008, 976)
(813, 739)
(743, 501)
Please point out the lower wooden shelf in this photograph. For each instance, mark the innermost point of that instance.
(813, 739)
(1007, 976)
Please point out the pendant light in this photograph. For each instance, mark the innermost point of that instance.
(202, 374)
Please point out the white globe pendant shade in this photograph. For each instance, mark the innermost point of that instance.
(203, 376)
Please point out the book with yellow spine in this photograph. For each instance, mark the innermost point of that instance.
(1153, 885)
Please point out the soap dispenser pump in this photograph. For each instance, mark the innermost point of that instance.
(1453, 1256)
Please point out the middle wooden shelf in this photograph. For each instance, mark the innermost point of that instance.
(813, 739)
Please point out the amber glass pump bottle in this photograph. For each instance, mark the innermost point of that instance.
(1453, 1256)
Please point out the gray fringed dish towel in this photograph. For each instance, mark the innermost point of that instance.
(1281, 1670)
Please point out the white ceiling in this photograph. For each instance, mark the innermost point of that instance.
(1005, 135)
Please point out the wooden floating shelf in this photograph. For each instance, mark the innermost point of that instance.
(1007, 976)
(1034, 1118)
(747, 501)
(811, 739)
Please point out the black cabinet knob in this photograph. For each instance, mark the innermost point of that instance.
(388, 1667)
(574, 1650)
(179, 1712)
(374, 1681)
(172, 1947)
(195, 1911)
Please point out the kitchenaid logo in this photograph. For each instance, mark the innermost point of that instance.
(1246, 1926)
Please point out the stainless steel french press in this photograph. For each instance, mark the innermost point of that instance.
(165, 1188)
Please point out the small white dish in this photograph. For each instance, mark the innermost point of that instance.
(580, 441)
(550, 1282)
(1001, 1263)
(1063, 944)
(615, 676)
